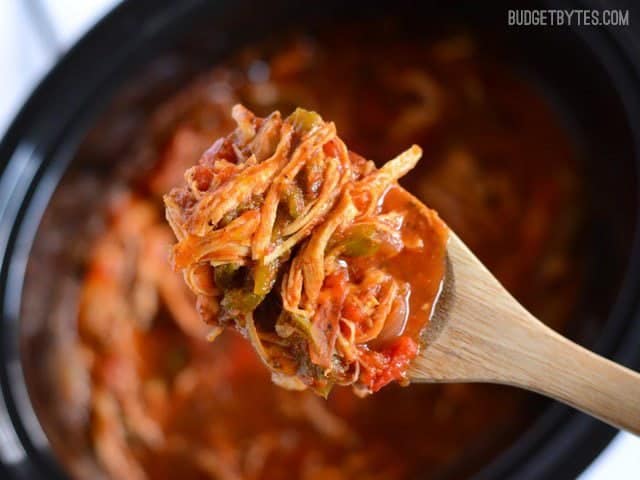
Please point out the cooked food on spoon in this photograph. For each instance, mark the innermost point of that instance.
(310, 251)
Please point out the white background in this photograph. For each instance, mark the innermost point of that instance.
(28, 49)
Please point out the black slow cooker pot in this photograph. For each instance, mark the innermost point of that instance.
(591, 75)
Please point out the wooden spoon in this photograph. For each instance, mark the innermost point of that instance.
(480, 333)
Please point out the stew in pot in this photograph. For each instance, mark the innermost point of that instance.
(159, 401)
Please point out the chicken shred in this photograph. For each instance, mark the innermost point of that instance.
(283, 233)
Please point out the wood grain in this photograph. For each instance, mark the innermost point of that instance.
(480, 333)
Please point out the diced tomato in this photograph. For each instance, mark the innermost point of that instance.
(203, 177)
(330, 149)
(336, 283)
(221, 149)
(353, 311)
(383, 367)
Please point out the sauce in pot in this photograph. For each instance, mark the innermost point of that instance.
(163, 403)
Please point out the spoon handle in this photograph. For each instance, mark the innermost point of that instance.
(556, 367)
(480, 333)
(530, 355)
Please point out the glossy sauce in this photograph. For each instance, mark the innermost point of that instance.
(423, 268)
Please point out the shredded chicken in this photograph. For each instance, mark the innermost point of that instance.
(283, 234)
